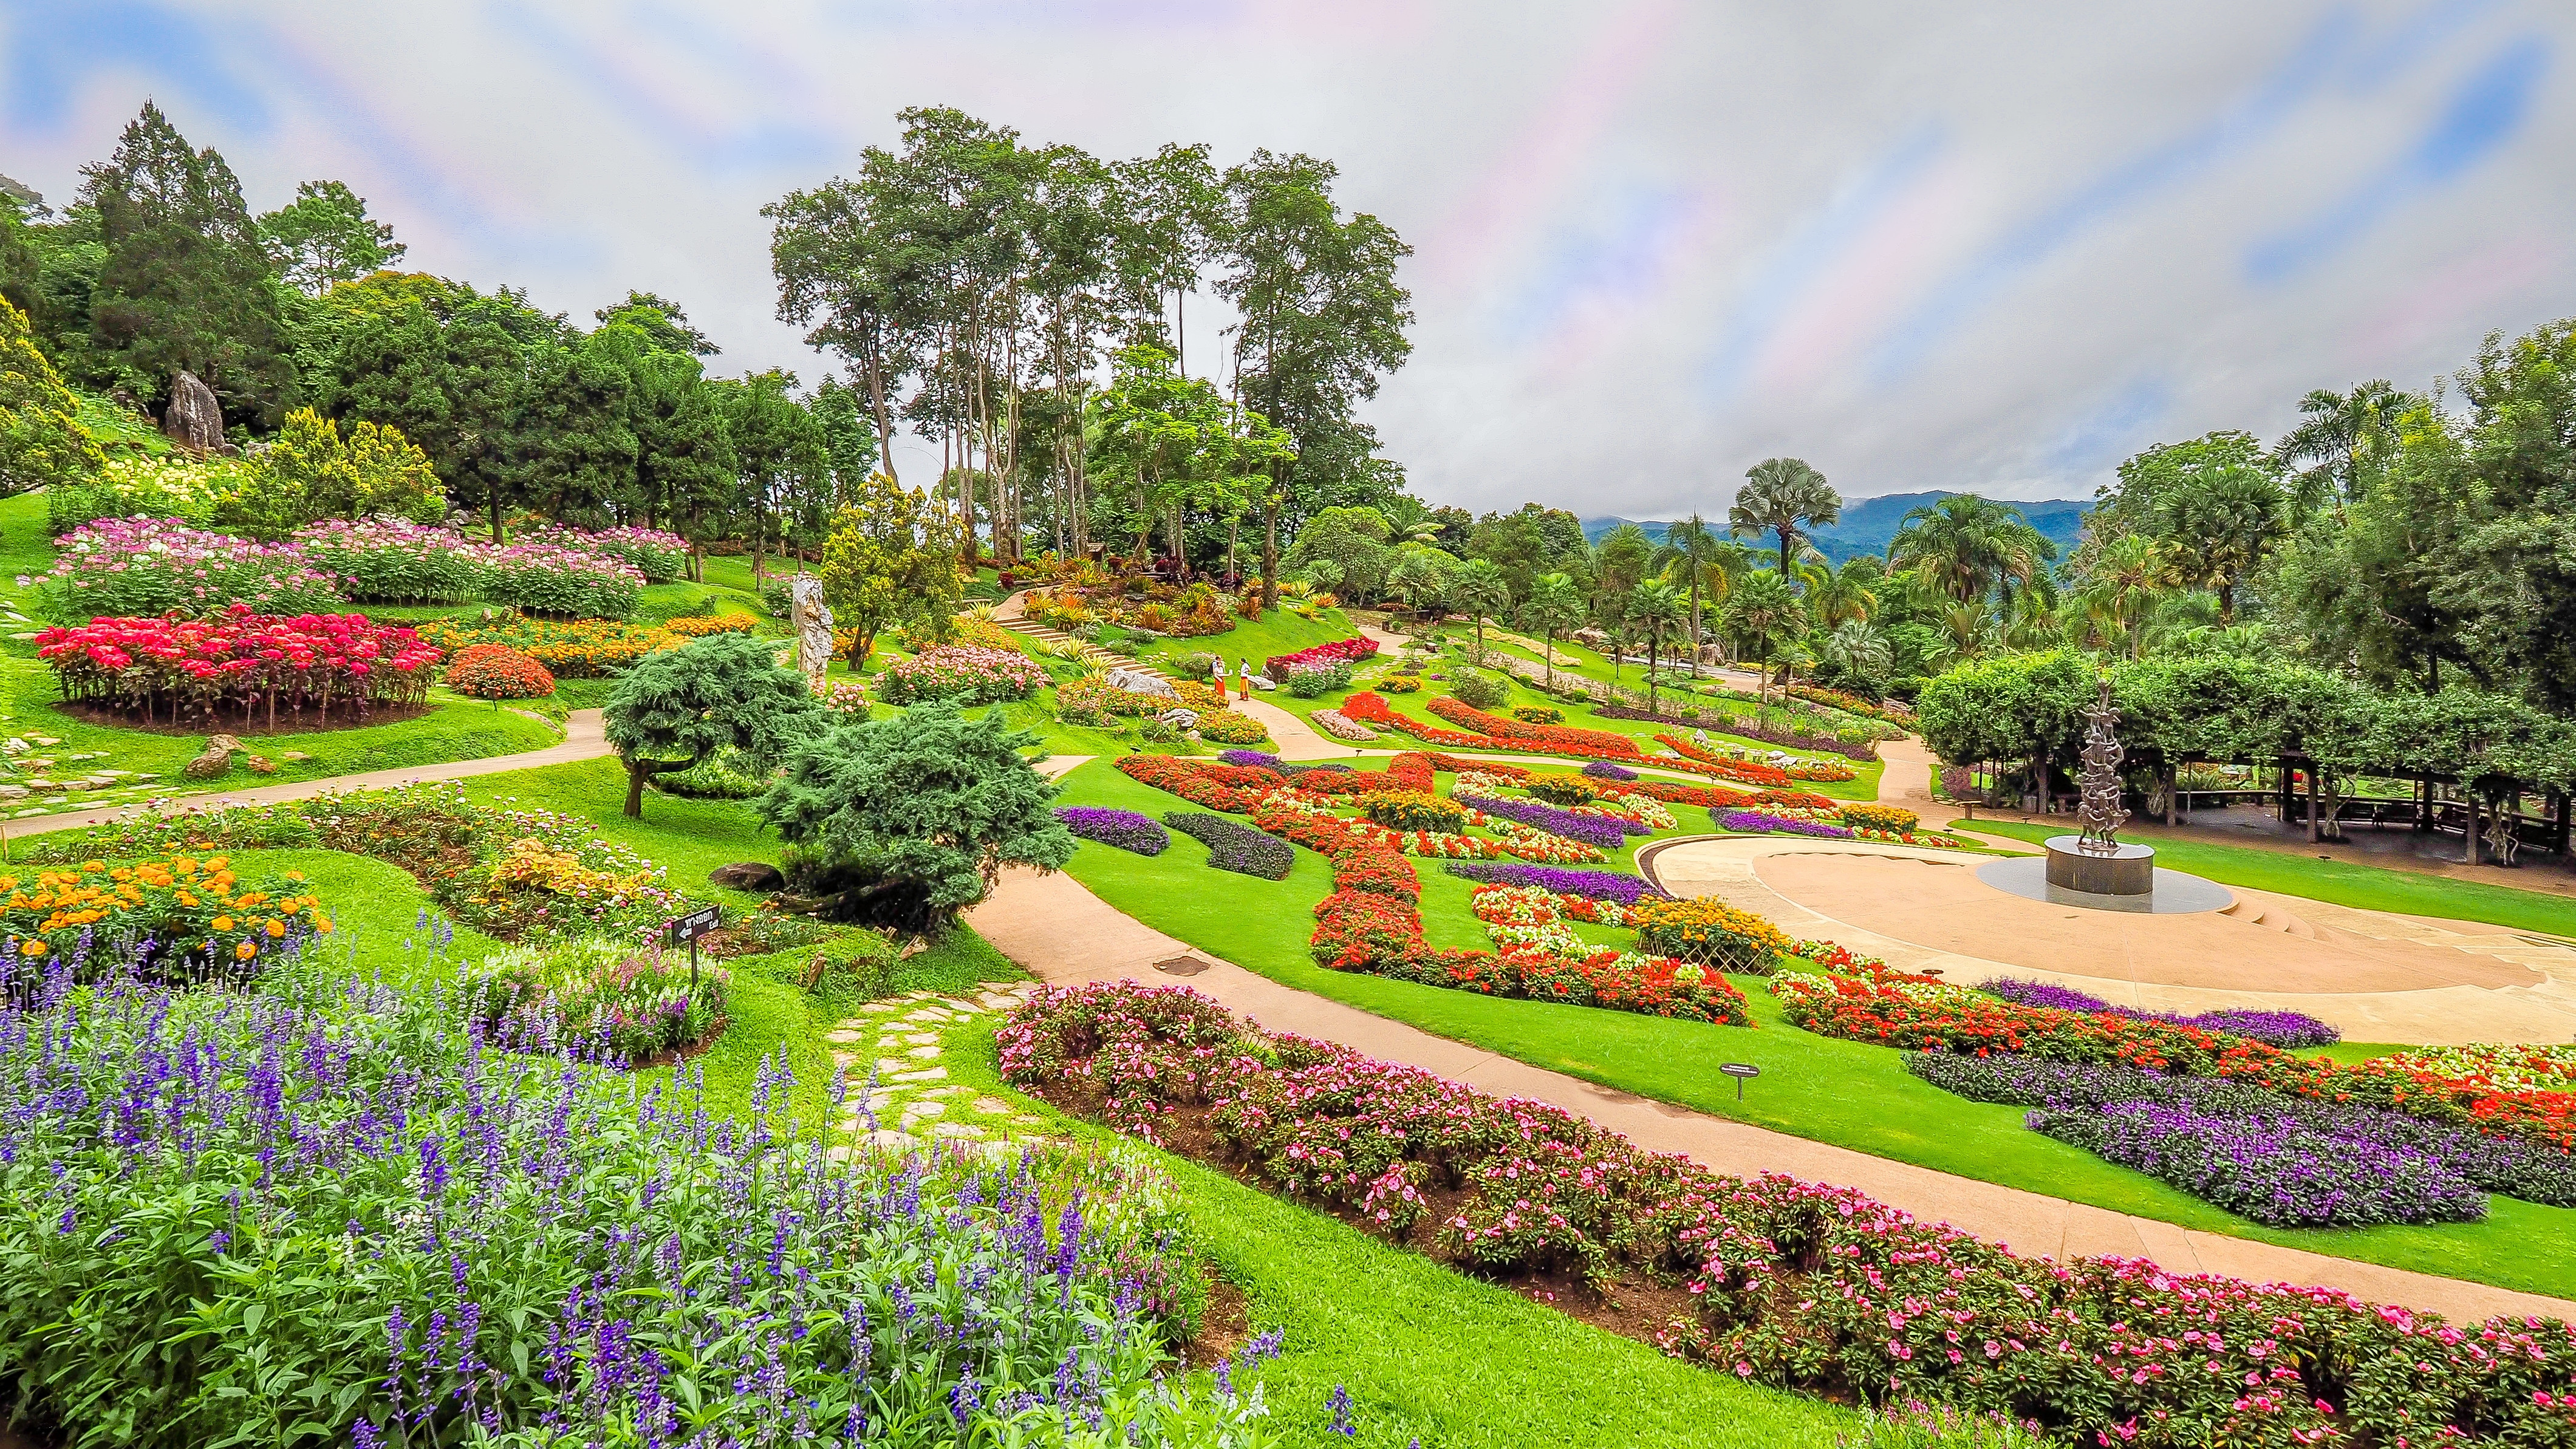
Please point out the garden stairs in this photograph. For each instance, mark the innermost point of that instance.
(1008, 614)
(2271, 915)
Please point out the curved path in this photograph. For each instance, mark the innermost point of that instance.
(585, 738)
(1061, 932)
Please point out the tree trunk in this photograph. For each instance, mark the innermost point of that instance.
(637, 772)
(2313, 793)
(2469, 796)
(2173, 793)
(1270, 555)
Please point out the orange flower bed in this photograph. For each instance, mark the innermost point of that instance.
(188, 910)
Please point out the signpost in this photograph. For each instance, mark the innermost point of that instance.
(1739, 1071)
(697, 923)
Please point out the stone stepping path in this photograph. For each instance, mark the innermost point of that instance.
(1008, 614)
(901, 1099)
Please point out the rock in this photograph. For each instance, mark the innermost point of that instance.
(294, 757)
(260, 764)
(195, 419)
(1137, 681)
(47, 741)
(13, 745)
(747, 875)
(13, 792)
(216, 761)
(1181, 719)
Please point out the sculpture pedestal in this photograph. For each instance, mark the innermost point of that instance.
(2128, 871)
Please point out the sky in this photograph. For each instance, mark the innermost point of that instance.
(1993, 248)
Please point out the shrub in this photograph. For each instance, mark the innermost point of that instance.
(1233, 847)
(142, 566)
(1126, 829)
(1313, 681)
(175, 669)
(1888, 818)
(1479, 691)
(310, 472)
(1536, 714)
(172, 919)
(566, 583)
(1414, 810)
(676, 709)
(1401, 683)
(170, 486)
(599, 1000)
(1710, 933)
(1224, 727)
(963, 674)
(497, 671)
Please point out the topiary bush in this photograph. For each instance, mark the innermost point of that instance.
(1415, 810)
(1400, 684)
(1538, 714)
(1562, 789)
(497, 671)
(1224, 727)
(676, 708)
(1479, 691)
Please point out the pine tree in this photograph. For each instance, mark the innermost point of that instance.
(675, 709)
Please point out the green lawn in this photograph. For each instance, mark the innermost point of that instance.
(2342, 882)
(1427, 1354)
(1812, 1086)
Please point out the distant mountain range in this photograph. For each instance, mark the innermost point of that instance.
(1870, 524)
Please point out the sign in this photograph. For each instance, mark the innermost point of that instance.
(1739, 1071)
(687, 929)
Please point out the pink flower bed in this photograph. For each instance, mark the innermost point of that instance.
(1812, 1288)
(1339, 651)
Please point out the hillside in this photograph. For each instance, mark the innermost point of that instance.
(1869, 524)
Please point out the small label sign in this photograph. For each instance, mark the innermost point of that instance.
(687, 929)
(1739, 1071)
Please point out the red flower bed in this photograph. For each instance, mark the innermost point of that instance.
(171, 669)
(1600, 744)
(1809, 1288)
(1700, 761)
(497, 671)
(1968, 1022)
(1232, 788)
(1370, 708)
(1339, 651)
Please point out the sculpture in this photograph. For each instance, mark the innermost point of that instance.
(2102, 816)
(813, 621)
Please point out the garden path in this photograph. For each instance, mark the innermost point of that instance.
(2375, 976)
(585, 738)
(1063, 933)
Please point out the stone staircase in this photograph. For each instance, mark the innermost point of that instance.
(2273, 916)
(1008, 615)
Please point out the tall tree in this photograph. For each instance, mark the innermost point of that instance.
(1656, 608)
(41, 443)
(891, 558)
(1323, 316)
(1690, 548)
(1783, 496)
(186, 285)
(1481, 589)
(1763, 611)
(1555, 605)
(324, 237)
(2337, 437)
(1961, 544)
(782, 457)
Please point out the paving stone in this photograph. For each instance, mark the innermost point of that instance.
(847, 1035)
(991, 1105)
(888, 1066)
(926, 1074)
(923, 1053)
(956, 1129)
(924, 1108)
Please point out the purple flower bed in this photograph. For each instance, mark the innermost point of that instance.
(1238, 848)
(1249, 757)
(2275, 1170)
(2275, 1028)
(1604, 770)
(1757, 822)
(1599, 885)
(2067, 1092)
(1607, 832)
(1125, 829)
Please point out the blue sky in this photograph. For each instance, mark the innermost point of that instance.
(1657, 241)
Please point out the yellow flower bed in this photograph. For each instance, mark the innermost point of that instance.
(1710, 933)
(187, 907)
(581, 649)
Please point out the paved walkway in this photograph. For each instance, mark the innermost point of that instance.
(1064, 934)
(585, 738)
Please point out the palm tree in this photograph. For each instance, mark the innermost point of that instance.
(2132, 573)
(1762, 611)
(1694, 548)
(1554, 604)
(1480, 588)
(1963, 629)
(1656, 606)
(1957, 544)
(1421, 576)
(2219, 523)
(1783, 496)
(2339, 430)
(1836, 596)
(1857, 650)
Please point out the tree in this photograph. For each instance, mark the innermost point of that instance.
(2340, 435)
(1959, 544)
(1354, 542)
(2219, 522)
(1763, 611)
(1555, 605)
(782, 455)
(911, 819)
(890, 558)
(1323, 317)
(2127, 580)
(1783, 496)
(664, 325)
(1856, 656)
(324, 237)
(674, 709)
(849, 438)
(1480, 589)
(1694, 548)
(186, 284)
(1422, 577)
(1621, 560)
(1656, 606)
(310, 471)
(41, 442)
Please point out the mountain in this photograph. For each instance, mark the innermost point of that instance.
(1869, 524)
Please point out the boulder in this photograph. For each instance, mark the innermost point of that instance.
(216, 761)
(260, 764)
(1137, 681)
(194, 420)
(747, 875)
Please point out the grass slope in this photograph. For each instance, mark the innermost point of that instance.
(2343, 883)
(1815, 1087)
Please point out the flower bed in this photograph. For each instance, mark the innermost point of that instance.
(964, 674)
(1338, 651)
(497, 671)
(699, 626)
(1250, 757)
(657, 555)
(600, 1001)
(1414, 810)
(1764, 822)
(1892, 712)
(174, 670)
(1803, 1287)
(1126, 829)
(1592, 830)
(393, 560)
(1786, 735)
(1558, 739)
(451, 1244)
(1370, 709)
(1539, 957)
(2276, 1028)
(583, 649)
(144, 566)
(1236, 789)
(1604, 770)
(1886, 818)
(1235, 847)
(1604, 885)
(564, 583)
(174, 918)
(1225, 727)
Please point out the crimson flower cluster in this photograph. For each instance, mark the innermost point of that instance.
(170, 669)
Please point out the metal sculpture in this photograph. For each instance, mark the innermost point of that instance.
(2103, 816)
